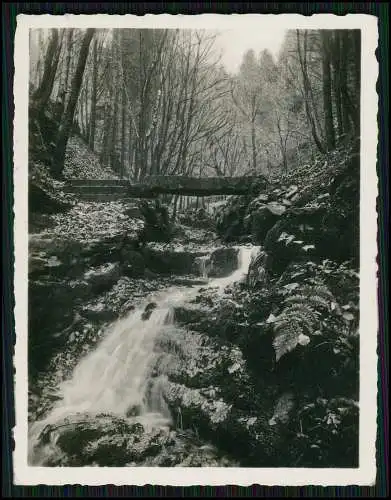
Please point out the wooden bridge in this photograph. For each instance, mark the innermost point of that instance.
(153, 186)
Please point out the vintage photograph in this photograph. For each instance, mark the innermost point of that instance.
(194, 247)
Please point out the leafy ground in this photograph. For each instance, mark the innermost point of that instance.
(91, 221)
(82, 163)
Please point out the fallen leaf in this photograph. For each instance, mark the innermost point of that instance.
(308, 247)
(271, 319)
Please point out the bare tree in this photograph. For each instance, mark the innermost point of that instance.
(42, 94)
(327, 97)
(66, 125)
(307, 91)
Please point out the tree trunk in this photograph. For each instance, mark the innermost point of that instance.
(253, 146)
(94, 96)
(39, 63)
(87, 118)
(114, 110)
(174, 211)
(81, 111)
(130, 150)
(42, 94)
(356, 45)
(123, 123)
(344, 85)
(356, 35)
(104, 154)
(114, 126)
(336, 62)
(306, 86)
(66, 125)
(68, 65)
(327, 101)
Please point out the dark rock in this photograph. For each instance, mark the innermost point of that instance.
(197, 218)
(261, 219)
(148, 311)
(257, 275)
(223, 261)
(103, 277)
(247, 437)
(157, 223)
(99, 314)
(189, 281)
(170, 262)
(133, 264)
(294, 237)
(108, 441)
(52, 306)
(187, 315)
(230, 219)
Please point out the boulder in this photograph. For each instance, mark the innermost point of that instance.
(223, 261)
(103, 277)
(109, 441)
(230, 218)
(148, 311)
(132, 262)
(261, 219)
(171, 262)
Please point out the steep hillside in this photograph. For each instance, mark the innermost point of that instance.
(82, 163)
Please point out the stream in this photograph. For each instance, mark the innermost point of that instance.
(120, 382)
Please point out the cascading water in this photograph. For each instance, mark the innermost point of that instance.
(203, 263)
(116, 378)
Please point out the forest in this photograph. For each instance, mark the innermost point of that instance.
(193, 250)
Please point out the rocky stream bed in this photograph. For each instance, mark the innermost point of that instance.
(79, 292)
(232, 349)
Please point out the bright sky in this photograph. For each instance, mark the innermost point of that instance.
(234, 43)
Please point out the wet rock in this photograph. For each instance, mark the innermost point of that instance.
(148, 311)
(247, 436)
(189, 281)
(108, 441)
(257, 275)
(188, 402)
(223, 261)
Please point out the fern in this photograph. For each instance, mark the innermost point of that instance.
(300, 318)
(287, 338)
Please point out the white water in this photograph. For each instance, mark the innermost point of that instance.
(204, 262)
(114, 377)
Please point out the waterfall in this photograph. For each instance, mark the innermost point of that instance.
(204, 263)
(116, 378)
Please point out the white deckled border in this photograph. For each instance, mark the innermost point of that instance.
(366, 472)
